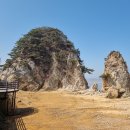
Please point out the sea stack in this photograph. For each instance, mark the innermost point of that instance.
(116, 79)
(45, 59)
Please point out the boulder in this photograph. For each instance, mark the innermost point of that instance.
(112, 93)
(94, 87)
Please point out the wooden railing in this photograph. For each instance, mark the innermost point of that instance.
(8, 96)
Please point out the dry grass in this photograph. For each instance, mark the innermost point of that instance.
(62, 111)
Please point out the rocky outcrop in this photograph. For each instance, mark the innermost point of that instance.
(116, 79)
(94, 87)
(45, 59)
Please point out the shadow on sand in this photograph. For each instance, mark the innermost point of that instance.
(16, 122)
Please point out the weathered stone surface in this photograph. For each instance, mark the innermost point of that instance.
(116, 75)
(59, 67)
(95, 87)
(112, 93)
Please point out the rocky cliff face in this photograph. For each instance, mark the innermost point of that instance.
(45, 59)
(116, 76)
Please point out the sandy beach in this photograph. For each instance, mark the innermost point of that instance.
(58, 110)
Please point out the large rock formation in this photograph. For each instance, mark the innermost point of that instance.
(45, 59)
(116, 78)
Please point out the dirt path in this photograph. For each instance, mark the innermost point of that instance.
(62, 111)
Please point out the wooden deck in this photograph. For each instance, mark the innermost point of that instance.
(8, 96)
